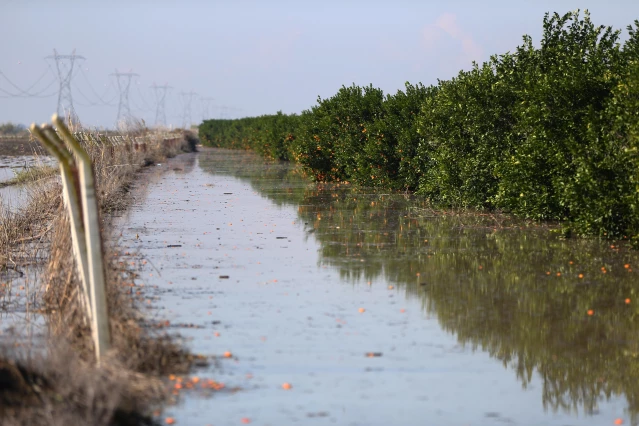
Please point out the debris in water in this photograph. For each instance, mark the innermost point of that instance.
(174, 245)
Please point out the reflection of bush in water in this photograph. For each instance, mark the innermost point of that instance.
(485, 284)
(490, 288)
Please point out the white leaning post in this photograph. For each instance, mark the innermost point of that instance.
(52, 142)
(85, 228)
(93, 239)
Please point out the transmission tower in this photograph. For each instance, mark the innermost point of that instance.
(160, 100)
(65, 65)
(206, 104)
(187, 99)
(124, 84)
(224, 111)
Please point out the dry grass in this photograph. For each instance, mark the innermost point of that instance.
(64, 386)
(60, 388)
(31, 174)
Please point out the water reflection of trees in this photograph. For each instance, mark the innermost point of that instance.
(507, 288)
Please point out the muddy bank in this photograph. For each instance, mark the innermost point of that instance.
(375, 309)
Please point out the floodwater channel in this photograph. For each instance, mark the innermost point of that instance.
(377, 310)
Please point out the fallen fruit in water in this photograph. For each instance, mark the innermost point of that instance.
(286, 386)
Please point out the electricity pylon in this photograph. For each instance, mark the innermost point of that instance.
(187, 98)
(124, 83)
(65, 65)
(206, 104)
(160, 101)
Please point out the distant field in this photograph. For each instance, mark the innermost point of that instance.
(19, 146)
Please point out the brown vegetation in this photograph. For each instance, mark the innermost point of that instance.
(62, 385)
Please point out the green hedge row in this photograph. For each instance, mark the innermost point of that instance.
(548, 132)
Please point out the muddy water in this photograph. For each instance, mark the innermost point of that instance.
(377, 310)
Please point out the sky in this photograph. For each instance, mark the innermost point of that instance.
(247, 57)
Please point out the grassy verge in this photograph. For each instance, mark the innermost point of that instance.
(59, 383)
(31, 174)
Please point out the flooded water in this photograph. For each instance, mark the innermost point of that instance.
(377, 310)
(13, 197)
(21, 320)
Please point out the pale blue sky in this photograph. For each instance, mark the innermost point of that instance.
(256, 56)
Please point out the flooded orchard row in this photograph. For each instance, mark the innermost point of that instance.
(376, 310)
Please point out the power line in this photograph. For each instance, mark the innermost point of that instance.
(187, 98)
(95, 93)
(65, 65)
(124, 84)
(160, 102)
(147, 107)
(27, 93)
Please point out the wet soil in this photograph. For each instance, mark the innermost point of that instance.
(377, 310)
(19, 146)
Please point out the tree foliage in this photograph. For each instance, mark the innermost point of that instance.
(548, 132)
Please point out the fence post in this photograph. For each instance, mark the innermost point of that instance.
(52, 142)
(79, 172)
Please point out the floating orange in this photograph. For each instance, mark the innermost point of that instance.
(227, 354)
(618, 421)
(245, 420)
(361, 310)
(591, 312)
(169, 421)
(286, 386)
(627, 301)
